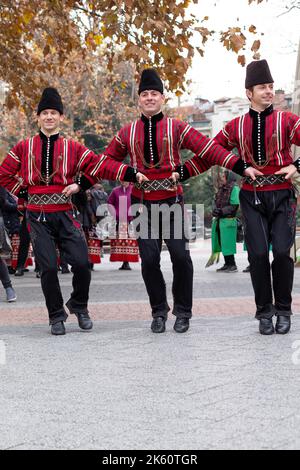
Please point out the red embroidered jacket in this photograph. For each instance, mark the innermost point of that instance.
(22, 167)
(153, 146)
(264, 141)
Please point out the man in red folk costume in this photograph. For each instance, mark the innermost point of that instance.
(153, 143)
(264, 137)
(48, 165)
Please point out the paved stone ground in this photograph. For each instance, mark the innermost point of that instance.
(219, 386)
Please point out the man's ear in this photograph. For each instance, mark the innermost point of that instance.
(249, 94)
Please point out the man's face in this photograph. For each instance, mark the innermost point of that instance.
(125, 184)
(151, 102)
(49, 120)
(261, 96)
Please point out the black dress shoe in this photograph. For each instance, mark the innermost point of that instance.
(283, 324)
(125, 266)
(84, 321)
(65, 271)
(58, 328)
(266, 326)
(181, 325)
(19, 272)
(223, 268)
(158, 325)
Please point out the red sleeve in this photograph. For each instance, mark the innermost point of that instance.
(223, 138)
(294, 128)
(207, 151)
(117, 149)
(10, 168)
(96, 167)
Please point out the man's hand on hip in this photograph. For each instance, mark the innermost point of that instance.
(71, 189)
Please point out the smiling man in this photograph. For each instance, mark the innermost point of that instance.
(264, 138)
(48, 166)
(153, 143)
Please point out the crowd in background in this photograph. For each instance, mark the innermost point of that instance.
(92, 207)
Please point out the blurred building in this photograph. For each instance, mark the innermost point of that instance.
(210, 117)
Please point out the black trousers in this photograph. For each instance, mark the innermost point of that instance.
(166, 227)
(229, 260)
(24, 244)
(4, 275)
(273, 221)
(62, 228)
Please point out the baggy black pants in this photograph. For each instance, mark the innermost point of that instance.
(150, 245)
(272, 222)
(62, 228)
(24, 244)
(4, 275)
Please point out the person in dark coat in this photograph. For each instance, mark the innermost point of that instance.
(7, 206)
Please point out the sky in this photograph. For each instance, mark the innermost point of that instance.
(218, 74)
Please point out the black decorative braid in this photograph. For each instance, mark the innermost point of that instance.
(46, 199)
(156, 185)
(265, 180)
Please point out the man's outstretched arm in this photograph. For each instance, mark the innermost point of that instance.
(10, 168)
(208, 152)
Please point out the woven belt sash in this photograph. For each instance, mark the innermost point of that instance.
(156, 185)
(265, 180)
(47, 199)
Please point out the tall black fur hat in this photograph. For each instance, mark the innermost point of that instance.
(150, 80)
(258, 73)
(50, 99)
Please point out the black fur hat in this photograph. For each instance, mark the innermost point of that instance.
(258, 73)
(50, 100)
(150, 80)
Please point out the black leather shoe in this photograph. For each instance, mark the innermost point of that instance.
(158, 325)
(223, 268)
(65, 271)
(266, 326)
(181, 325)
(283, 324)
(58, 328)
(19, 272)
(84, 321)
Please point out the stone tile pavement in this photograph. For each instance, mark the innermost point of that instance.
(219, 386)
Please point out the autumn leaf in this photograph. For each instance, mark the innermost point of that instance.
(56, 34)
(252, 29)
(242, 60)
(255, 46)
